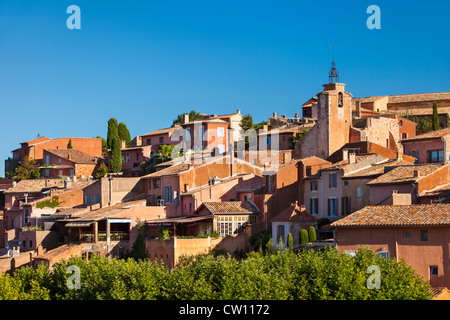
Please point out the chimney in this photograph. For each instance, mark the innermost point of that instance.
(238, 111)
(352, 157)
(416, 173)
(287, 157)
(39, 250)
(401, 199)
(283, 116)
(399, 156)
(296, 116)
(14, 183)
(123, 144)
(69, 156)
(274, 114)
(344, 154)
(185, 118)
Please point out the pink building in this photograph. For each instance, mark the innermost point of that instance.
(133, 157)
(157, 138)
(430, 147)
(417, 234)
(323, 191)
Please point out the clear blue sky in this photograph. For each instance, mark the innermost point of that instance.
(145, 62)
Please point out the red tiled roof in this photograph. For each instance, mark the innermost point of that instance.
(405, 174)
(398, 215)
(429, 135)
(375, 169)
(295, 214)
(161, 131)
(169, 171)
(231, 207)
(73, 155)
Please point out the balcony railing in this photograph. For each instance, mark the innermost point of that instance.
(113, 236)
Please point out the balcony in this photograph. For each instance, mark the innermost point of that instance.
(89, 237)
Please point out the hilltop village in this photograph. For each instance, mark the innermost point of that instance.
(359, 171)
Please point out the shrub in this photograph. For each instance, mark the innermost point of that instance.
(304, 239)
(312, 234)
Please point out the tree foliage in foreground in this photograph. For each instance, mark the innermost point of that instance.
(282, 275)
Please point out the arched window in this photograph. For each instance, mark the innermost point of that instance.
(340, 99)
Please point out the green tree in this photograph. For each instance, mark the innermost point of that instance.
(102, 170)
(27, 169)
(69, 145)
(138, 249)
(269, 246)
(307, 275)
(124, 133)
(246, 122)
(116, 155)
(312, 234)
(297, 137)
(165, 152)
(113, 131)
(435, 117)
(193, 115)
(304, 239)
(290, 242)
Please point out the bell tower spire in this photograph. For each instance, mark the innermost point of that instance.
(333, 76)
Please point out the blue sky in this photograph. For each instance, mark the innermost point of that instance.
(145, 62)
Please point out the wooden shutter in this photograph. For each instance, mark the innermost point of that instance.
(329, 209)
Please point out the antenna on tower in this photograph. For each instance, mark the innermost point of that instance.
(333, 76)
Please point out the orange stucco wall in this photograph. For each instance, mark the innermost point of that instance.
(416, 253)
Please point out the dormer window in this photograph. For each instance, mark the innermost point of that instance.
(340, 99)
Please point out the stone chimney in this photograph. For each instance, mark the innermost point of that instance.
(274, 114)
(185, 118)
(352, 157)
(39, 250)
(344, 154)
(69, 156)
(401, 199)
(123, 144)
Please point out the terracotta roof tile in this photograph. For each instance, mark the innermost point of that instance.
(429, 135)
(231, 207)
(405, 174)
(73, 155)
(375, 169)
(295, 213)
(397, 215)
(161, 131)
(169, 171)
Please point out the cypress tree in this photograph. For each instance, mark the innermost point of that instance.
(312, 234)
(303, 237)
(116, 155)
(290, 241)
(69, 145)
(269, 246)
(435, 117)
(113, 131)
(124, 133)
